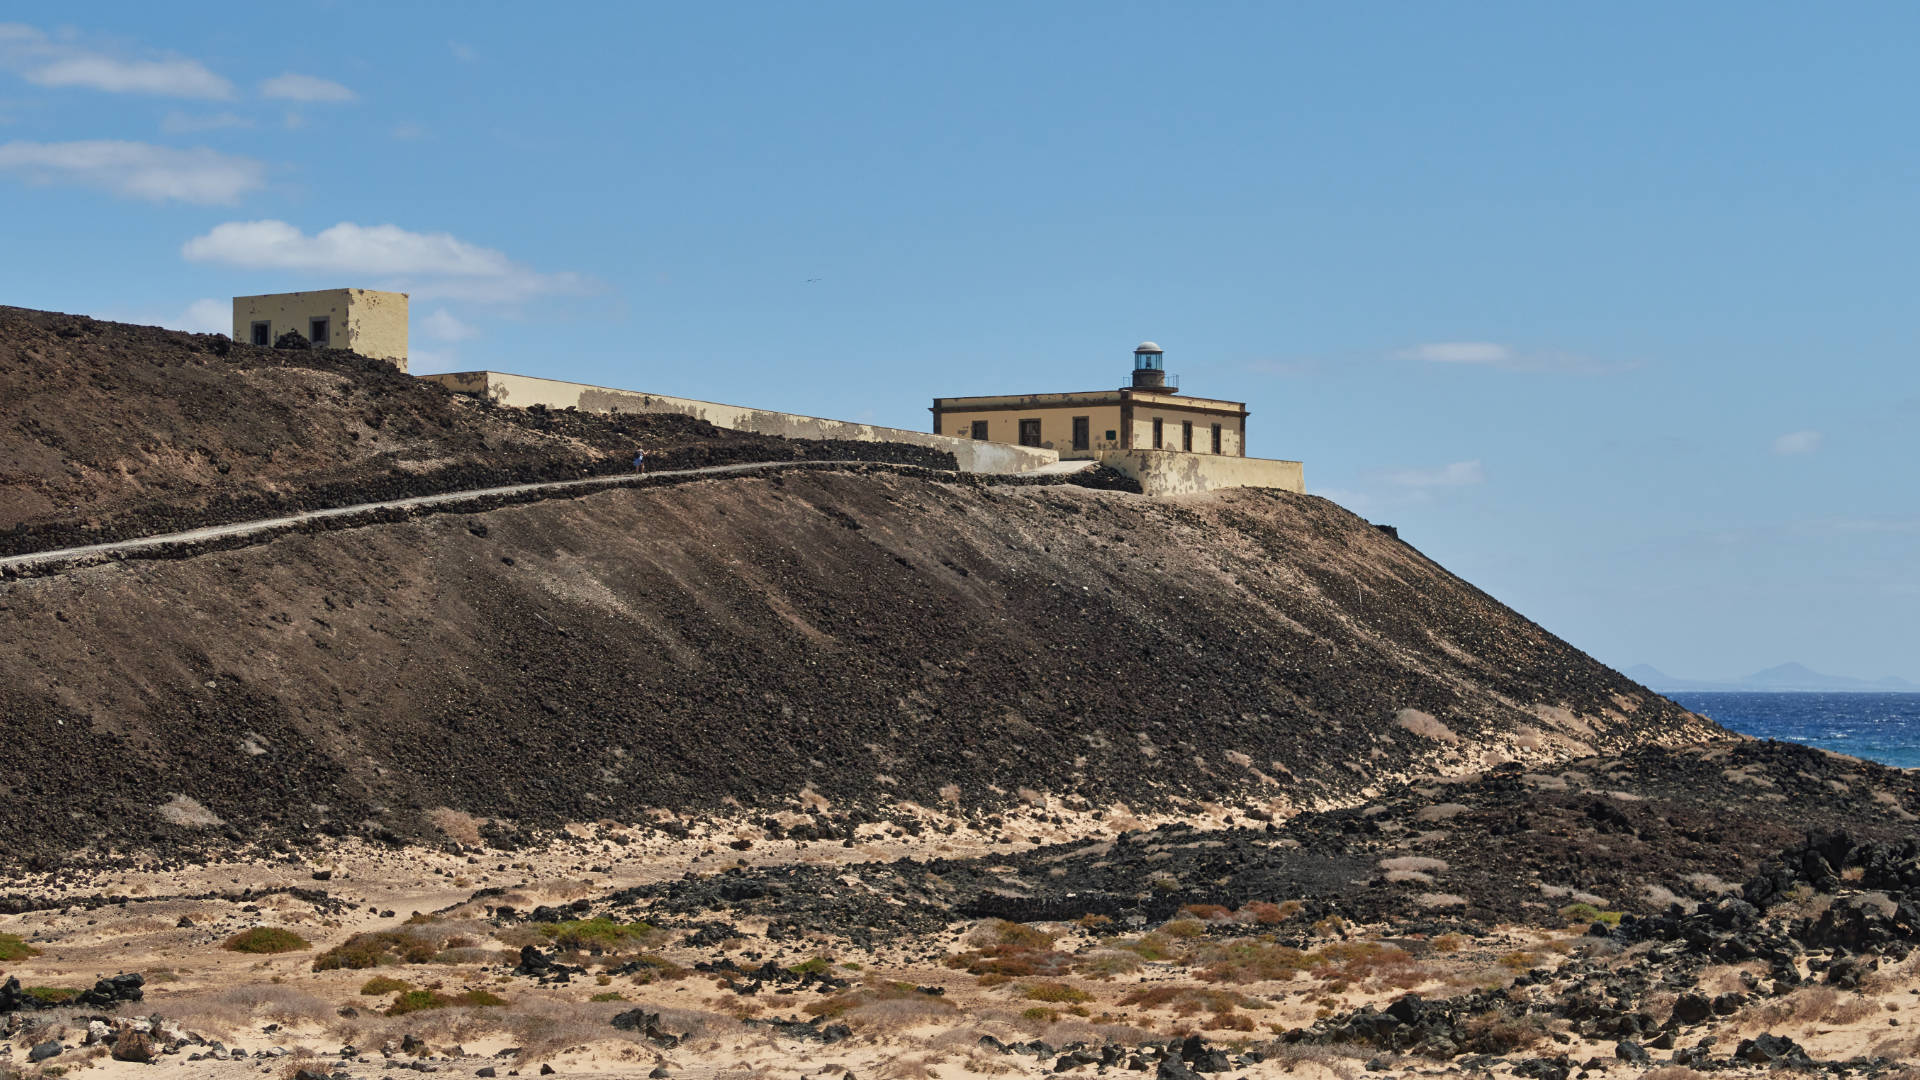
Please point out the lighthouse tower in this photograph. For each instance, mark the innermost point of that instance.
(1149, 368)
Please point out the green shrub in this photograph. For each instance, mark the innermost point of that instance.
(1055, 993)
(13, 948)
(608, 996)
(421, 1000)
(266, 939)
(819, 965)
(380, 984)
(598, 933)
(1587, 913)
(52, 995)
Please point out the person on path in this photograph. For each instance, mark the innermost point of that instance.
(640, 461)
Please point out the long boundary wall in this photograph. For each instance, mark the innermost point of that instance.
(1170, 472)
(972, 455)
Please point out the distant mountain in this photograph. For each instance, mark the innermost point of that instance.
(1781, 678)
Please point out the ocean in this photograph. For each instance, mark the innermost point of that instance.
(1878, 727)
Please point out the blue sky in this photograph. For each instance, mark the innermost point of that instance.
(1610, 310)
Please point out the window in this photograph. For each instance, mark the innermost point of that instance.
(979, 429)
(1030, 432)
(263, 333)
(1158, 424)
(1112, 435)
(1186, 436)
(1216, 438)
(1082, 433)
(318, 331)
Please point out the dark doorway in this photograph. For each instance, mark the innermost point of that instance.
(318, 336)
(980, 429)
(1030, 433)
(1159, 431)
(263, 333)
(1216, 438)
(1082, 433)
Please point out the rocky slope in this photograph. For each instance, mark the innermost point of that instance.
(109, 431)
(874, 638)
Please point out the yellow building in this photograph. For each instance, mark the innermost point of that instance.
(1148, 415)
(360, 320)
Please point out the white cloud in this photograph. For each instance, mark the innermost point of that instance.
(346, 247)
(441, 324)
(1458, 474)
(136, 170)
(431, 361)
(46, 62)
(292, 87)
(1798, 442)
(180, 123)
(1462, 352)
(430, 266)
(1490, 354)
(207, 316)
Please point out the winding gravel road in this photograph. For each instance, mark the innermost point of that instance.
(138, 545)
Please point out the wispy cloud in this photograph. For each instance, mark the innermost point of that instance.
(1499, 357)
(432, 265)
(1457, 474)
(45, 61)
(181, 123)
(205, 316)
(1795, 443)
(441, 324)
(462, 52)
(136, 170)
(310, 88)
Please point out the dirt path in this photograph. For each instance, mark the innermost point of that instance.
(89, 552)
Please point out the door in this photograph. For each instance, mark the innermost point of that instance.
(1030, 432)
(1082, 433)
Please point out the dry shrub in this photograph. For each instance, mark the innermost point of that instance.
(881, 1005)
(1189, 1000)
(1106, 963)
(1207, 912)
(1450, 943)
(455, 825)
(240, 1008)
(1403, 877)
(266, 939)
(1003, 932)
(1498, 1031)
(1244, 960)
(1335, 1058)
(1439, 812)
(1259, 911)
(1185, 929)
(1808, 1005)
(1425, 726)
(1420, 863)
(1440, 900)
(1055, 993)
(1673, 1072)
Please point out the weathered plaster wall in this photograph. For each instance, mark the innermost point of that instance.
(1056, 426)
(1232, 430)
(368, 322)
(1165, 472)
(524, 390)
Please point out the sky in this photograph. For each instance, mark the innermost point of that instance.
(1609, 308)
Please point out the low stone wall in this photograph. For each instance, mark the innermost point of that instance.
(972, 455)
(1171, 472)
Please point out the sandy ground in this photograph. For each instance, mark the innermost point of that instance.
(262, 1002)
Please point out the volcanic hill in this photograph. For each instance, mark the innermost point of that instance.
(874, 635)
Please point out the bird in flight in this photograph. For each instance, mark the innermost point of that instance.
(811, 280)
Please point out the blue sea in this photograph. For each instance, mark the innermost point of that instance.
(1878, 727)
